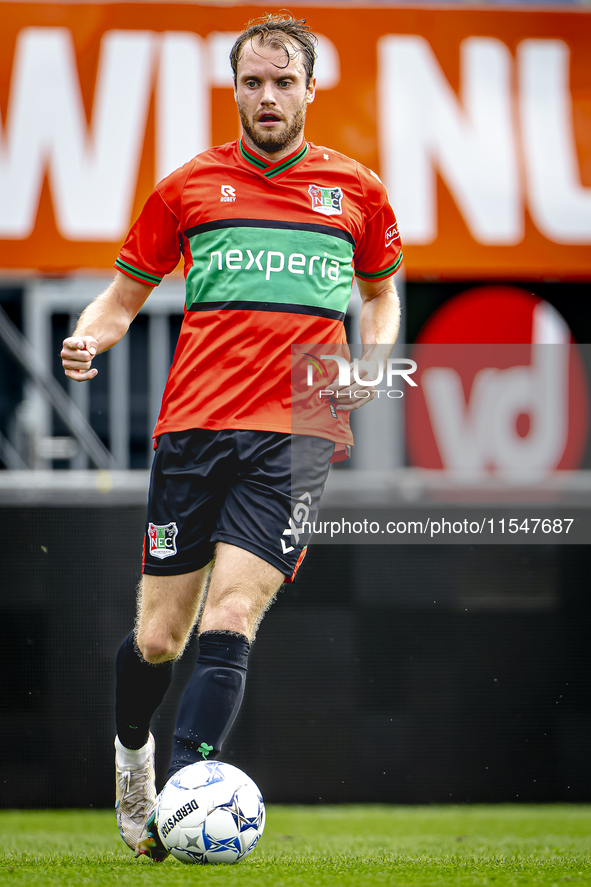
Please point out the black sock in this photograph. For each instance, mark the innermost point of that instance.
(211, 699)
(140, 689)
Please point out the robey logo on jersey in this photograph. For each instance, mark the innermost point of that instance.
(228, 194)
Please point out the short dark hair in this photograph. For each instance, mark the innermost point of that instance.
(278, 30)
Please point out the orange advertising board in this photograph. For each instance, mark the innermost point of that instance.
(478, 121)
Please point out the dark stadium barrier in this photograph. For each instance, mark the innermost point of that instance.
(385, 673)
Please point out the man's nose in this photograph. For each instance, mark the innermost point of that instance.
(268, 96)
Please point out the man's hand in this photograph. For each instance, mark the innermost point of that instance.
(379, 323)
(108, 317)
(77, 354)
(351, 397)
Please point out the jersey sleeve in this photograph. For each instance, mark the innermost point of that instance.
(379, 251)
(152, 248)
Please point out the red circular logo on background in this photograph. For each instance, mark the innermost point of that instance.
(503, 387)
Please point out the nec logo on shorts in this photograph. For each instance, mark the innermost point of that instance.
(162, 539)
(328, 201)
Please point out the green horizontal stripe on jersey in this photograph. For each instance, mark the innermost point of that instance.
(274, 266)
(138, 272)
(331, 230)
(368, 275)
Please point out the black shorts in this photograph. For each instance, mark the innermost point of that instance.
(252, 489)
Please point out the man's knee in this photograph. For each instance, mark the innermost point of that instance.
(236, 610)
(159, 646)
(167, 609)
(241, 589)
(237, 602)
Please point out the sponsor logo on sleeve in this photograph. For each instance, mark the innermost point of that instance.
(327, 201)
(163, 539)
(391, 234)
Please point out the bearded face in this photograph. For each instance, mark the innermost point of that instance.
(272, 98)
(272, 139)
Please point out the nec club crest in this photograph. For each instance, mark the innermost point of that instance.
(328, 201)
(162, 539)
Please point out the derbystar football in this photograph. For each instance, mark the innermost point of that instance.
(210, 812)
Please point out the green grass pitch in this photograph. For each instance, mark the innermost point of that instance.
(352, 846)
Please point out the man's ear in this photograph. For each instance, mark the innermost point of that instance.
(311, 91)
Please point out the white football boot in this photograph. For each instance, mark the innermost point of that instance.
(150, 843)
(135, 792)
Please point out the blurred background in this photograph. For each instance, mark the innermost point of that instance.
(394, 673)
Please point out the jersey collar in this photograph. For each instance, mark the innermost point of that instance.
(270, 170)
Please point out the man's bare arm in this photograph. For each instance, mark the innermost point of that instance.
(379, 324)
(380, 317)
(101, 325)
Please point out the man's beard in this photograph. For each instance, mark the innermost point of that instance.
(273, 142)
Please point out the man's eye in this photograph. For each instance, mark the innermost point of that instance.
(284, 83)
(252, 83)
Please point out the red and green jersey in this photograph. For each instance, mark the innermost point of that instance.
(270, 252)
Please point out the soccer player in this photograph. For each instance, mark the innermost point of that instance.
(271, 230)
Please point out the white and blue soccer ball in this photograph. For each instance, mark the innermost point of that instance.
(210, 812)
